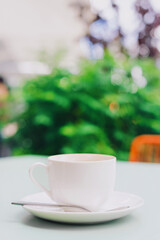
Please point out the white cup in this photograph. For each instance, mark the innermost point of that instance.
(85, 180)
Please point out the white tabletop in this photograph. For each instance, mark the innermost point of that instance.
(142, 179)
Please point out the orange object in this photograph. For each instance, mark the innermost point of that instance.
(145, 148)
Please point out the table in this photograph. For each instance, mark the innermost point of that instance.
(142, 179)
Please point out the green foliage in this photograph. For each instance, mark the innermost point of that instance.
(99, 110)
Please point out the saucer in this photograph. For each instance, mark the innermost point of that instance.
(59, 214)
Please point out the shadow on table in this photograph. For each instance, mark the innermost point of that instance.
(36, 222)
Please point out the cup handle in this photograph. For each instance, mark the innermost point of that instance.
(31, 169)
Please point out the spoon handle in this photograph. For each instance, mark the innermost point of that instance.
(22, 203)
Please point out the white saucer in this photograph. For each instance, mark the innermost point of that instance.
(58, 214)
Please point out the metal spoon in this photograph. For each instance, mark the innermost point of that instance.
(22, 203)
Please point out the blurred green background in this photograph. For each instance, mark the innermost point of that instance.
(100, 108)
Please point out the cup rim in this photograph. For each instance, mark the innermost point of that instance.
(55, 158)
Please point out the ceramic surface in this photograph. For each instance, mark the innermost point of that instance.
(118, 199)
(85, 180)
